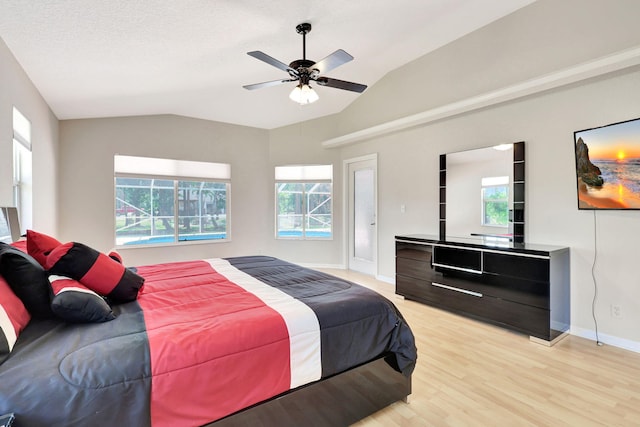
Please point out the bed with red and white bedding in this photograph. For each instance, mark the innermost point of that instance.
(204, 339)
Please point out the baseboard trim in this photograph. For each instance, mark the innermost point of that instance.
(320, 266)
(607, 339)
(386, 279)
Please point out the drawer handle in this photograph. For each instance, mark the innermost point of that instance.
(468, 270)
(463, 291)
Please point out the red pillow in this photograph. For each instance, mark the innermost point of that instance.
(74, 302)
(20, 245)
(114, 255)
(95, 270)
(13, 318)
(39, 245)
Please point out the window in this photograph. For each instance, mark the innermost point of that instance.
(22, 169)
(495, 201)
(168, 201)
(304, 202)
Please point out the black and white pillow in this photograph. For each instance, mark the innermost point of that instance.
(74, 302)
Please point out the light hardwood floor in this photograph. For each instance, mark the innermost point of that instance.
(470, 373)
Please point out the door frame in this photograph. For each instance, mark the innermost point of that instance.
(347, 201)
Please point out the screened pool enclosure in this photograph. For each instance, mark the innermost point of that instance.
(151, 210)
(304, 210)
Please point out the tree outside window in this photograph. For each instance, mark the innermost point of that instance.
(304, 202)
(160, 209)
(495, 201)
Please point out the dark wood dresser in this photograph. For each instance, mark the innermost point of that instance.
(523, 287)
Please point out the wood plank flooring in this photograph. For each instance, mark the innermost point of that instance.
(473, 374)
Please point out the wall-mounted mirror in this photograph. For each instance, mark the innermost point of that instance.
(9, 226)
(482, 193)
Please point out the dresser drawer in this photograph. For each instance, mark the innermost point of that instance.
(458, 258)
(530, 320)
(412, 288)
(414, 251)
(524, 267)
(414, 268)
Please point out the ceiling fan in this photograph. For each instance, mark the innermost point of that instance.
(304, 70)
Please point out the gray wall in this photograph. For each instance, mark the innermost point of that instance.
(87, 191)
(544, 37)
(17, 90)
(547, 36)
(408, 174)
(300, 144)
(86, 182)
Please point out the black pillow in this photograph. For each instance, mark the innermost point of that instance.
(27, 279)
(74, 302)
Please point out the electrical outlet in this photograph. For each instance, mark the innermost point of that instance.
(616, 311)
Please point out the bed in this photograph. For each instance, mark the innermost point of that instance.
(238, 341)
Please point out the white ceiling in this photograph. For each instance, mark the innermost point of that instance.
(97, 58)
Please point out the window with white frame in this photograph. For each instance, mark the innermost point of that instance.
(304, 208)
(164, 201)
(22, 169)
(495, 201)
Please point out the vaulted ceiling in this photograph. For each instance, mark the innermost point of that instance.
(96, 58)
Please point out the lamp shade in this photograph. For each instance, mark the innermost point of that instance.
(303, 94)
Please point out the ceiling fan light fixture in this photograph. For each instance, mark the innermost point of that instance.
(303, 94)
(305, 70)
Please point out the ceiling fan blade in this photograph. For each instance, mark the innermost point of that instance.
(332, 61)
(267, 84)
(270, 60)
(341, 84)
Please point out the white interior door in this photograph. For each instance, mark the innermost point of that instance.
(363, 229)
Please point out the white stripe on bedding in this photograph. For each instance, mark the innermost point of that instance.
(301, 321)
(54, 278)
(7, 328)
(75, 289)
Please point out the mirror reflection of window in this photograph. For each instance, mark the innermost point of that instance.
(495, 201)
(5, 233)
(9, 225)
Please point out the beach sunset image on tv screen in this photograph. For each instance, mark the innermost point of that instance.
(608, 166)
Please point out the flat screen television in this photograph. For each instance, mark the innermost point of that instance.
(608, 166)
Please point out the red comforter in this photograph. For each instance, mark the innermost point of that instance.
(202, 325)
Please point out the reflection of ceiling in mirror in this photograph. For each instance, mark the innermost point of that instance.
(480, 154)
